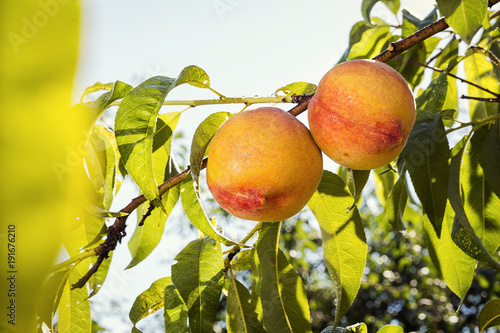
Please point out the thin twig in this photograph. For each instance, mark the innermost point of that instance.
(454, 76)
(482, 99)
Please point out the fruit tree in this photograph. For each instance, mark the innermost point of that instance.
(403, 235)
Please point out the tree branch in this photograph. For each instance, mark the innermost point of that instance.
(117, 231)
(396, 48)
(225, 100)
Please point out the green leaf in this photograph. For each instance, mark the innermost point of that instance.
(356, 328)
(372, 41)
(464, 16)
(390, 329)
(284, 298)
(86, 229)
(489, 316)
(366, 8)
(194, 76)
(367, 5)
(432, 99)
(344, 242)
(448, 53)
(164, 164)
(456, 267)
(98, 278)
(165, 126)
(176, 313)
(463, 233)
(136, 330)
(358, 178)
(410, 23)
(255, 298)
(117, 91)
(430, 18)
(408, 64)
(479, 70)
(384, 182)
(98, 86)
(393, 5)
(481, 205)
(396, 203)
(135, 125)
(243, 260)
(74, 306)
(490, 158)
(146, 237)
(241, 316)
(101, 159)
(196, 215)
(102, 163)
(298, 88)
(96, 328)
(202, 137)
(149, 301)
(355, 36)
(426, 157)
(51, 294)
(198, 276)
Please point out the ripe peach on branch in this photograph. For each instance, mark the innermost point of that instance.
(263, 165)
(362, 114)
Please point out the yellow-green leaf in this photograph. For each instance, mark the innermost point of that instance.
(479, 70)
(198, 276)
(464, 16)
(298, 88)
(241, 316)
(74, 306)
(195, 213)
(149, 301)
(455, 266)
(202, 137)
(282, 292)
(344, 242)
(135, 125)
(176, 313)
(390, 329)
(489, 316)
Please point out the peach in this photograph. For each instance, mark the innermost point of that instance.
(362, 114)
(263, 165)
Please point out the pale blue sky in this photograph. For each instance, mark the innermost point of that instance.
(247, 48)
